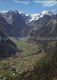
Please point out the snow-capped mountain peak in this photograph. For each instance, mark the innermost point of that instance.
(34, 17)
(46, 13)
(22, 13)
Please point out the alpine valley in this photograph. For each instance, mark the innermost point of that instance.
(28, 46)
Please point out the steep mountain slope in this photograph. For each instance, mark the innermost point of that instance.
(7, 47)
(41, 22)
(16, 22)
(48, 27)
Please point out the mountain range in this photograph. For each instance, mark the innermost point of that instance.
(18, 24)
(28, 18)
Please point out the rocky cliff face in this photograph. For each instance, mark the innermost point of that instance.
(15, 22)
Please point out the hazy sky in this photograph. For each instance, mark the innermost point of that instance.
(28, 7)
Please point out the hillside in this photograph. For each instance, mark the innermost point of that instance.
(7, 47)
(46, 70)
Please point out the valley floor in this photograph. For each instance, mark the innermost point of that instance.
(26, 57)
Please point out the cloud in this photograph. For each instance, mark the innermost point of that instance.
(18, 1)
(22, 1)
(47, 3)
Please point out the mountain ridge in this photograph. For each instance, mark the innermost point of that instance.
(34, 17)
(31, 17)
